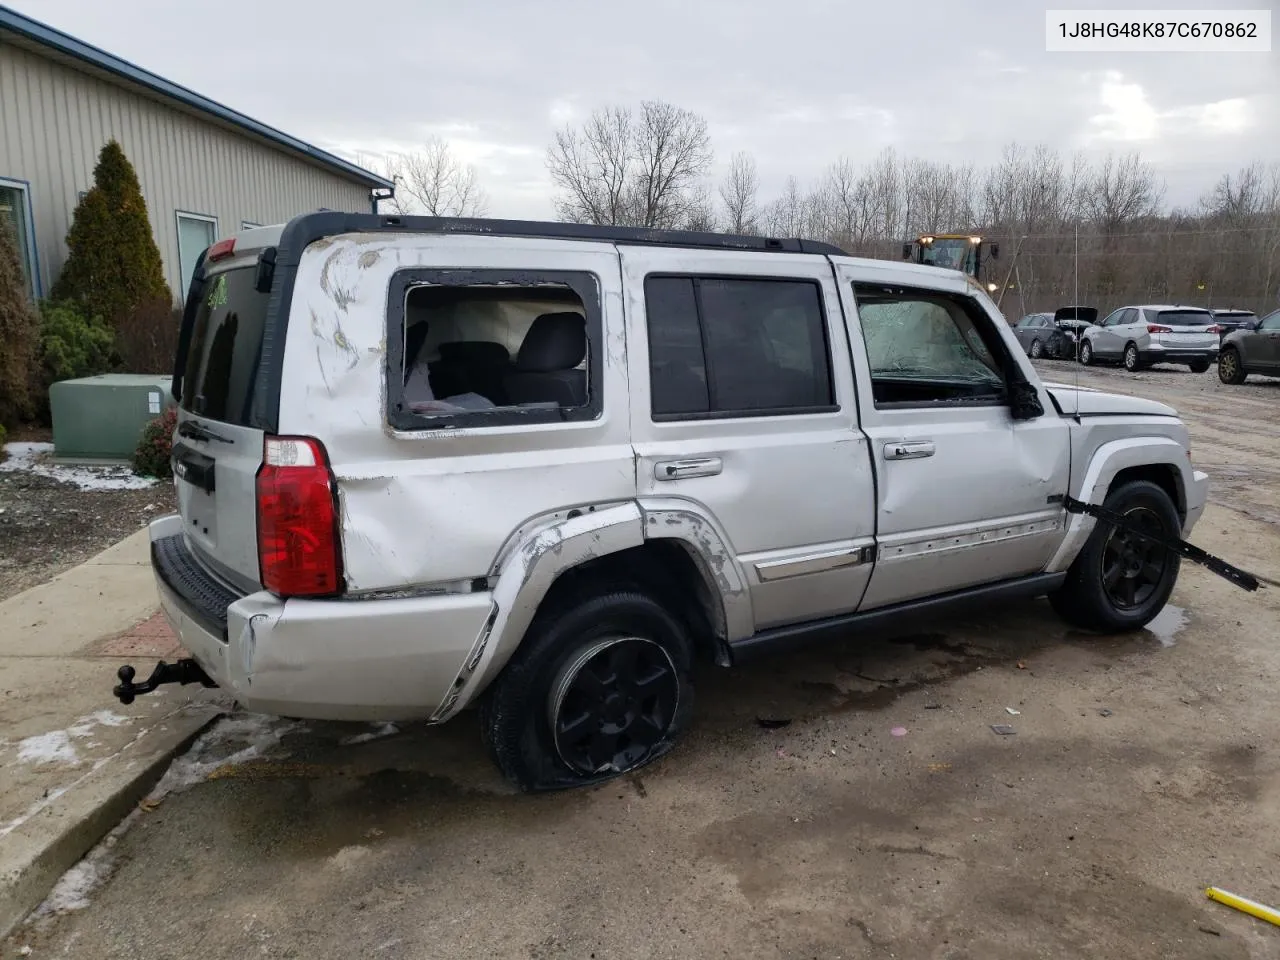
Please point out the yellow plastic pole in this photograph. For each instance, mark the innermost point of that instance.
(1251, 907)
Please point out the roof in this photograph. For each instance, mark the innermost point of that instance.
(45, 36)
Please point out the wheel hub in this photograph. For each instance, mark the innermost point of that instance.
(612, 704)
(1133, 566)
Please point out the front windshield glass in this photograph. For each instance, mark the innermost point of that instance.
(950, 254)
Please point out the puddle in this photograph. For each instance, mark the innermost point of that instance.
(1167, 624)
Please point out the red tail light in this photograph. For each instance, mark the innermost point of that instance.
(1214, 329)
(299, 550)
(1158, 328)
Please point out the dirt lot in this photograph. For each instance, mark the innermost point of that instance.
(1143, 769)
(51, 523)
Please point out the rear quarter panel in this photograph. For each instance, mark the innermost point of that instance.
(435, 506)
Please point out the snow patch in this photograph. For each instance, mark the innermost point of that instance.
(232, 740)
(37, 458)
(379, 730)
(52, 747)
(75, 888)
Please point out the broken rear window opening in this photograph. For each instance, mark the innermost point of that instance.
(226, 343)
(929, 348)
(491, 348)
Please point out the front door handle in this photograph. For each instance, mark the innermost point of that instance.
(909, 450)
(685, 469)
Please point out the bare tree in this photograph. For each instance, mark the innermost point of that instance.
(433, 181)
(738, 193)
(640, 169)
(1122, 191)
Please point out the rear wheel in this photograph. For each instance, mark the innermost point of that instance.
(1037, 351)
(1086, 353)
(600, 686)
(1230, 369)
(1120, 580)
(1132, 361)
(1198, 366)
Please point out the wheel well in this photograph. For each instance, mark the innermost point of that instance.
(1163, 475)
(667, 571)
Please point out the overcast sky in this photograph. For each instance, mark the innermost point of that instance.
(797, 85)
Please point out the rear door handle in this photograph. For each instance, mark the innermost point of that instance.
(685, 469)
(909, 450)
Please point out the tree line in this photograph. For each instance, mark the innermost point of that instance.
(1069, 225)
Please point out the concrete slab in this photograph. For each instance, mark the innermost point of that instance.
(133, 549)
(51, 836)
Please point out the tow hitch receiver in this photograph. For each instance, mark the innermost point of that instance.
(183, 671)
(1241, 578)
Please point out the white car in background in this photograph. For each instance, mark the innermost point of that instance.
(1140, 336)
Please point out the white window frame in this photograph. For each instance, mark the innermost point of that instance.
(28, 211)
(178, 217)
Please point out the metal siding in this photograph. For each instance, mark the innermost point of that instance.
(54, 119)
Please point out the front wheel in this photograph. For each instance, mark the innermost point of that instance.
(599, 686)
(1230, 369)
(1120, 581)
(1037, 351)
(1086, 353)
(1132, 362)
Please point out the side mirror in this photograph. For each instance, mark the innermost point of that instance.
(906, 251)
(995, 251)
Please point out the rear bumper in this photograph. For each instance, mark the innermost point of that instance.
(1158, 353)
(394, 659)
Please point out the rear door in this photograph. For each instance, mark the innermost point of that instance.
(742, 407)
(1186, 329)
(217, 453)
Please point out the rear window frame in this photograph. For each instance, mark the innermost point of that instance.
(1209, 319)
(586, 284)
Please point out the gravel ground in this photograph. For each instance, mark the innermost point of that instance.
(885, 820)
(50, 523)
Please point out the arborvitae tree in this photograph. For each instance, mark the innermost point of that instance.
(19, 333)
(114, 265)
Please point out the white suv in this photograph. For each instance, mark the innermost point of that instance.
(1140, 336)
(544, 468)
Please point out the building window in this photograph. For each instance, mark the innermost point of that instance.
(15, 215)
(726, 347)
(196, 232)
(249, 225)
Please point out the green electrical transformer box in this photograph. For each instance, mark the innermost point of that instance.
(102, 418)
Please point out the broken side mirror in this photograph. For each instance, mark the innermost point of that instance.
(1024, 401)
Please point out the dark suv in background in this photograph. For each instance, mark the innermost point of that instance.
(1254, 348)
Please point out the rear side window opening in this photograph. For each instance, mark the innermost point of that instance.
(226, 343)
(492, 348)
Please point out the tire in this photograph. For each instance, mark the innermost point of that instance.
(1132, 360)
(1199, 366)
(1037, 351)
(1086, 600)
(1230, 369)
(1086, 354)
(573, 661)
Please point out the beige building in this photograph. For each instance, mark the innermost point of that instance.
(205, 169)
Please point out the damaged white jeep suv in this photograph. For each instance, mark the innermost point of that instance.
(544, 469)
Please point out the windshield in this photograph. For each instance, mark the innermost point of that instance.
(951, 254)
(226, 341)
(1184, 318)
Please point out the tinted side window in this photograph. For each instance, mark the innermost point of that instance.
(1271, 322)
(728, 346)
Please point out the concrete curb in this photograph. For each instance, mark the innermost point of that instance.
(57, 835)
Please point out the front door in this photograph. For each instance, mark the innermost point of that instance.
(964, 490)
(743, 411)
(1111, 337)
(1264, 345)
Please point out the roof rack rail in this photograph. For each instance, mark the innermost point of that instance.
(309, 227)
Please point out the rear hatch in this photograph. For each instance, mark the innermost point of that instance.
(216, 454)
(1183, 329)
